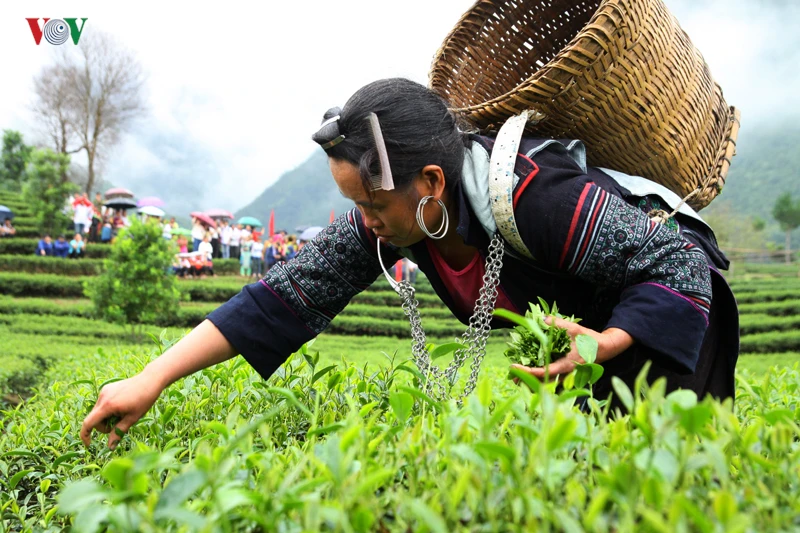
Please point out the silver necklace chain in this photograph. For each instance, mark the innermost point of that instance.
(474, 338)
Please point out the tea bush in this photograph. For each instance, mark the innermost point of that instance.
(360, 449)
(755, 323)
(771, 295)
(26, 246)
(32, 264)
(784, 308)
(135, 285)
(26, 219)
(71, 326)
(26, 231)
(51, 285)
(26, 357)
(773, 341)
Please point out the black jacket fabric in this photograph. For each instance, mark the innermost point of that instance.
(597, 254)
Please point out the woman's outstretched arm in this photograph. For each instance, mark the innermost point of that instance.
(131, 398)
(265, 323)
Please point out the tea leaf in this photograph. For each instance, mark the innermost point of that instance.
(401, 403)
(587, 347)
(623, 392)
(444, 349)
(179, 489)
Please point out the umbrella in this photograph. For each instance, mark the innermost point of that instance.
(203, 218)
(152, 211)
(250, 221)
(309, 233)
(301, 229)
(119, 191)
(219, 213)
(150, 201)
(121, 203)
(5, 213)
(181, 231)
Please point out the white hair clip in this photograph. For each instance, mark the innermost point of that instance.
(384, 181)
(336, 140)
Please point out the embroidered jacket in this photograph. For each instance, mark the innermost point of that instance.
(597, 254)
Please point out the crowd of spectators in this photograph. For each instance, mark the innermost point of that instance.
(255, 252)
(93, 222)
(74, 249)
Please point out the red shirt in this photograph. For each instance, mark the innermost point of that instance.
(464, 285)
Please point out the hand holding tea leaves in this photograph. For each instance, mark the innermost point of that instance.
(610, 343)
(546, 344)
(534, 342)
(119, 406)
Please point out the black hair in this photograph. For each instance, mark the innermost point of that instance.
(417, 126)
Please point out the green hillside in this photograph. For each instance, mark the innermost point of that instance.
(767, 163)
(304, 195)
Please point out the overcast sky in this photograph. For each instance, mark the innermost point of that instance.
(236, 91)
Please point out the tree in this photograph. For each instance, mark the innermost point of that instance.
(135, 286)
(14, 158)
(55, 107)
(89, 98)
(787, 212)
(44, 190)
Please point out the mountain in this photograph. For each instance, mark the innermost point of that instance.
(767, 164)
(303, 196)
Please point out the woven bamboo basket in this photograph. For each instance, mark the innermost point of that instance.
(621, 75)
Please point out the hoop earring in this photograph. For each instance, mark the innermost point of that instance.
(445, 225)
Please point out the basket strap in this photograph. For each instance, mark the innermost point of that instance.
(501, 180)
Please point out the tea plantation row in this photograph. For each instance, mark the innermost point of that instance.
(362, 449)
(769, 320)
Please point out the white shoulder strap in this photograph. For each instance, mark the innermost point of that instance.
(501, 180)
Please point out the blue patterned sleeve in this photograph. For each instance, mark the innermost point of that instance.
(576, 226)
(269, 320)
(665, 279)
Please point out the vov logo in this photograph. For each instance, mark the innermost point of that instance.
(56, 31)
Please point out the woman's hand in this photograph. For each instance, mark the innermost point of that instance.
(130, 399)
(610, 343)
(127, 400)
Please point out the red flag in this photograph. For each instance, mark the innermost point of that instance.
(271, 223)
(333, 215)
(398, 270)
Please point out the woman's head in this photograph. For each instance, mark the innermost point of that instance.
(424, 146)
